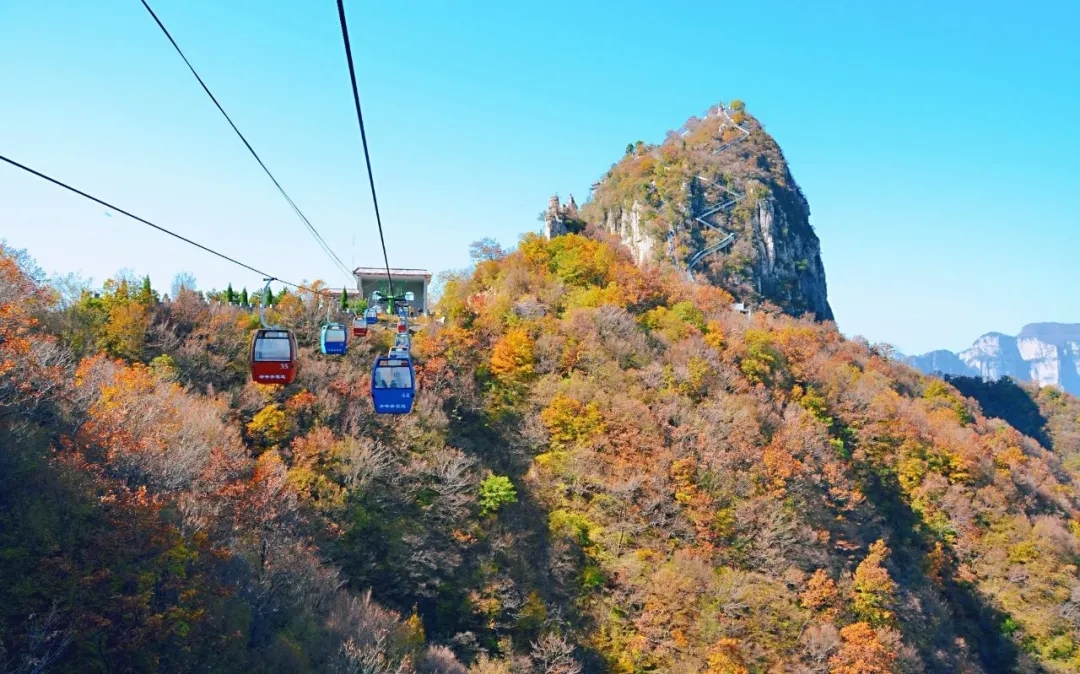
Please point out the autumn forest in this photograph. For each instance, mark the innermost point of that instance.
(607, 469)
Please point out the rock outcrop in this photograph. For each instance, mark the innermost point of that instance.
(1044, 353)
(717, 200)
(562, 219)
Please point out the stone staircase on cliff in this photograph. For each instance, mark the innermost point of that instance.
(725, 200)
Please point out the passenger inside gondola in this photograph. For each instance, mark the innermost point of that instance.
(392, 377)
(402, 378)
(384, 376)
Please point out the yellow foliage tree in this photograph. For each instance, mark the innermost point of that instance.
(270, 425)
(414, 630)
(125, 332)
(762, 360)
(873, 590)
(675, 323)
(724, 658)
(313, 459)
(512, 356)
(569, 421)
(595, 296)
(714, 335)
(1011, 458)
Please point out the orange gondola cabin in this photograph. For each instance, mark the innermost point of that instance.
(273, 356)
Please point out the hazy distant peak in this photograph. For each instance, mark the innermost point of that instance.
(1051, 332)
(1045, 353)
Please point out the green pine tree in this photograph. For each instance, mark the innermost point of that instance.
(344, 305)
(244, 297)
(230, 294)
(146, 295)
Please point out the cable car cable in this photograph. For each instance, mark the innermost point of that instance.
(363, 138)
(318, 238)
(157, 227)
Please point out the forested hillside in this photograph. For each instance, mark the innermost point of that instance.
(607, 470)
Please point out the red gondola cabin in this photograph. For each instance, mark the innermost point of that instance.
(359, 327)
(273, 357)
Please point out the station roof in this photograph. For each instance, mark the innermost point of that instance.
(365, 272)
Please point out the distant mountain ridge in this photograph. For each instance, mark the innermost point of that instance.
(1047, 354)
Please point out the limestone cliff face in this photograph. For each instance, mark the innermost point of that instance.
(1045, 353)
(716, 200)
(788, 268)
(627, 223)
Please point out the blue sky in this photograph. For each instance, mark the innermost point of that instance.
(937, 146)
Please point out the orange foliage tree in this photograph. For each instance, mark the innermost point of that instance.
(862, 652)
(512, 356)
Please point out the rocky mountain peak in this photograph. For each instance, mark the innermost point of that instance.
(716, 200)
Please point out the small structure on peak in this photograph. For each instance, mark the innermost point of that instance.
(561, 218)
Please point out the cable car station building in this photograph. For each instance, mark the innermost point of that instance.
(416, 281)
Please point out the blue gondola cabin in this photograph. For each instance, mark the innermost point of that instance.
(333, 340)
(393, 384)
